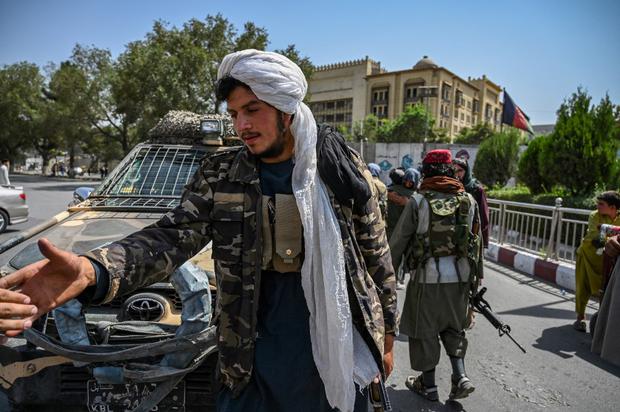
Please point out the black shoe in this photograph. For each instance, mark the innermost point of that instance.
(461, 388)
(417, 385)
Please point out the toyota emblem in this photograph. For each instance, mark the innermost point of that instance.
(145, 309)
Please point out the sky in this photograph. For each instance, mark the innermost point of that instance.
(539, 50)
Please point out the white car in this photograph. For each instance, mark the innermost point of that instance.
(13, 207)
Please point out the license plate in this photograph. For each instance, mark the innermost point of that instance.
(126, 397)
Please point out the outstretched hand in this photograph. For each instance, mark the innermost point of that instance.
(42, 286)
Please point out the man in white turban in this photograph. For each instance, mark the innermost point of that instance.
(306, 309)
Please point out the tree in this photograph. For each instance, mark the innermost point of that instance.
(413, 125)
(531, 165)
(20, 100)
(584, 141)
(304, 63)
(69, 87)
(497, 156)
(477, 134)
(176, 68)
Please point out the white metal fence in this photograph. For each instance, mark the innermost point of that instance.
(552, 232)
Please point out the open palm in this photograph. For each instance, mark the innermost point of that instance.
(46, 284)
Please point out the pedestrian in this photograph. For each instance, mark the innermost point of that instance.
(462, 154)
(293, 220)
(411, 179)
(440, 226)
(105, 171)
(589, 265)
(380, 188)
(398, 195)
(4, 172)
(606, 332)
(474, 188)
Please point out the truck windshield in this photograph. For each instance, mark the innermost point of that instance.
(154, 171)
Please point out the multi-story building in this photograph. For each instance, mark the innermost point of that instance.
(345, 93)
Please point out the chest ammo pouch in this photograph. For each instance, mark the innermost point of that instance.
(282, 234)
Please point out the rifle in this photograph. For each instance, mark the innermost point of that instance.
(482, 306)
(379, 397)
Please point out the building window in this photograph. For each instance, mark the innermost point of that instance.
(379, 103)
(469, 104)
(476, 108)
(411, 92)
(488, 112)
(459, 101)
(456, 129)
(462, 116)
(336, 112)
(380, 95)
(468, 119)
(446, 91)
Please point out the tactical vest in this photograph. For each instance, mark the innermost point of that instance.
(448, 232)
(282, 234)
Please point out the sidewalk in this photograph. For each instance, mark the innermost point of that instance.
(558, 273)
(85, 177)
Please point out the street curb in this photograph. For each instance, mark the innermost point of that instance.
(558, 273)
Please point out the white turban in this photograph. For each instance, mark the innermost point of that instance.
(278, 81)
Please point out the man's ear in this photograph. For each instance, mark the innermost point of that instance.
(287, 119)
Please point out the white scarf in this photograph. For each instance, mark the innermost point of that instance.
(278, 81)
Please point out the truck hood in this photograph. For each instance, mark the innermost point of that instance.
(81, 232)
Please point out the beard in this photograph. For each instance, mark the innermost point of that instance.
(278, 146)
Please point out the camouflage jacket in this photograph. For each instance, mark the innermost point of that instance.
(382, 196)
(222, 203)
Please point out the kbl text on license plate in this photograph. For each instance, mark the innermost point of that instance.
(126, 397)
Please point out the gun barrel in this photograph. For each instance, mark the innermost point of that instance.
(485, 309)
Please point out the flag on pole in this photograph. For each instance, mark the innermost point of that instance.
(513, 115)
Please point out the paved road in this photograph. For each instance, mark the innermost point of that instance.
(558, 373)
(46, 197)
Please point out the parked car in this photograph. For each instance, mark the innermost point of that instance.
(13, 207)
(147, 183)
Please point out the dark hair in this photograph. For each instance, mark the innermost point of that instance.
(438, 169)
(226, 85)
(5, 160)
(611, 197)
(396, 176)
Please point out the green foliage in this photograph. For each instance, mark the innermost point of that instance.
(304, 63)
(497, 156)
(369, 129)
(584, 141)
(475, 135)
(413, 125)
(531, 164)
(523, 194)
(20, 104)
(512, 194)
(105, 106)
